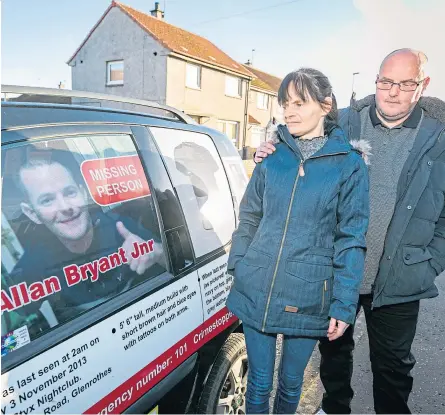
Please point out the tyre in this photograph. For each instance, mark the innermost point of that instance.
(225, 389)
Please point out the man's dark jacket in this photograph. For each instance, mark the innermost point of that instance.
(414, 250)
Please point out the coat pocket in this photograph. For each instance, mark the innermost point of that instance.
(318, 255)
(308, 288)
(415, 273)
(251, 272)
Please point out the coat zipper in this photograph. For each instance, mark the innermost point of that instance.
(281, 246)
(323, 292)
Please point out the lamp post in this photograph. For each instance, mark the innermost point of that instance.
(353, 79)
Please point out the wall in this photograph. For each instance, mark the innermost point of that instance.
(210, 102)
(119, 37)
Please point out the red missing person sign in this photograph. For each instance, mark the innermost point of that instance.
(115, 179)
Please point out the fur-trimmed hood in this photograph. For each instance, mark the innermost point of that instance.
(364, 148)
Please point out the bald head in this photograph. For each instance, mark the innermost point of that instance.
(399, 85)
(412, 61)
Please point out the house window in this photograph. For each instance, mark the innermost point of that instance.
(233, 86)
(230, 129)
(193, 76)
(196, 118)
(262, 101)
(257, 136)
(115, 73)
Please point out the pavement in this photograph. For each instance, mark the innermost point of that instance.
(428, 396)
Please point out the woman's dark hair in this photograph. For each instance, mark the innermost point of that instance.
(312, 83)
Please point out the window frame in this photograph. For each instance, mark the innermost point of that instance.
(196, 118)
(108, 308)
(257, 130)
(237, 125)
(109, 69)
(240, 87)
(262, 104)
(198, 85)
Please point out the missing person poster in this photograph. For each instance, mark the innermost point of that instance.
(115, 179)
(79, 229)
(110, 366)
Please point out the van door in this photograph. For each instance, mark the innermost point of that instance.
(94, 313)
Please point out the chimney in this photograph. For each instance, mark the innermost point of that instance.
(157, 12)
(248, 63)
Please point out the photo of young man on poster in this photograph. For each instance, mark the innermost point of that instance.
(94, 254)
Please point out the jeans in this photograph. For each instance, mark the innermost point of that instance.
(391, 331)
(261, 351)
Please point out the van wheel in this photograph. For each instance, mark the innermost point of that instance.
(225, 389)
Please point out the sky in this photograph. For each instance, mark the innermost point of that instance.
(338, 37)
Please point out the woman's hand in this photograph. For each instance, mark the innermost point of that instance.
(336, 329)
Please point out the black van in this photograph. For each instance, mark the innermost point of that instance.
(116, 226)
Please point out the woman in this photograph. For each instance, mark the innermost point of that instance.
(298, 252)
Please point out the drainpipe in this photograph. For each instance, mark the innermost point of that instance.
(246, 113)
(271, 97)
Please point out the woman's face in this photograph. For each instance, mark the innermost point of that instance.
(303, 118)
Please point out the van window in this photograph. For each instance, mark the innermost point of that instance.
(79, 227)
(236, 172)
(201, 184)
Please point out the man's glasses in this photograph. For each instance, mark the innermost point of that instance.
(407, 86)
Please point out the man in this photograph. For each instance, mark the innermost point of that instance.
(68, 232)
(406, 236)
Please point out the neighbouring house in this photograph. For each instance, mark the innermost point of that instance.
(137, 55)
(263, 107)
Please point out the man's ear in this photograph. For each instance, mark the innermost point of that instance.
(29, 211)
(425, 83)
(327, 105)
